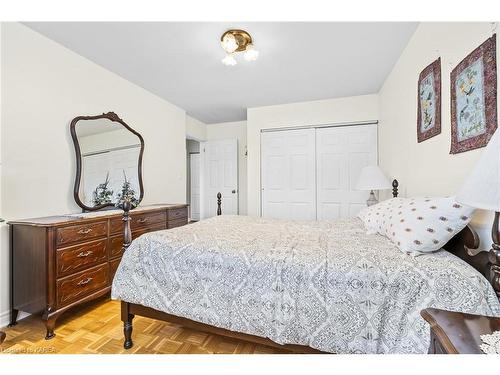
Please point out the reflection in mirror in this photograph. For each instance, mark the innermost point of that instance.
(109, 163)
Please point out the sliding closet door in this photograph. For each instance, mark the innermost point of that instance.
(341, 153)
(288, 174)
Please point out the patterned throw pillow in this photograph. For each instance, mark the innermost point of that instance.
(417, 225)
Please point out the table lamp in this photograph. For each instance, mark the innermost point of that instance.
(482, 190)
(372, 178)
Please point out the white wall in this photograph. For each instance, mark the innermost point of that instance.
(44, 86)
(195, 129)
(351, 109)
(427, 168)
(228, 130)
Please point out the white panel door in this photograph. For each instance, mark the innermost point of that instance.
(341, 153)
(221, 175)
(195, 186)
(288, 174)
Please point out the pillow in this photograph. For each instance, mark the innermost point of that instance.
(417, 225)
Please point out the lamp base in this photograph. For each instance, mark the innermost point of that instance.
(372, 199)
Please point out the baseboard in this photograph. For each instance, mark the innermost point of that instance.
(5, 318)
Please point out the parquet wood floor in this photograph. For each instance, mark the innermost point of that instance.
(97, 328)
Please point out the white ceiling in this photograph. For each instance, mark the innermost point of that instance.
(180, 62)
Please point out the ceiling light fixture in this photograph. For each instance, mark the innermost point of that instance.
(229, 60)
(235, 40)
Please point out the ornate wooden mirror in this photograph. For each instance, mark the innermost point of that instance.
(108, 162)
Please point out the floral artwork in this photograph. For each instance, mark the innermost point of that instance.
(429, 102)
(473, 99)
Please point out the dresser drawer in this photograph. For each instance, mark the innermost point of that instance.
(116, 225)
(73, 288)
(113, 266)
(140, 232)
(116, 242)
(115, 246)
(177, 213)
(82, 232)
(177, 223)
(145, 220)
(76, 258)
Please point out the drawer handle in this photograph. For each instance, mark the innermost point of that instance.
(84, 254)
(85, 282)
(142, 220)
(85, 231)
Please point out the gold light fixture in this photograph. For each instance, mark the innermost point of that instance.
(236, 40)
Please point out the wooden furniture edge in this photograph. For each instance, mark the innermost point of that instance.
(74, 220)
(129, 310)
(426, 314)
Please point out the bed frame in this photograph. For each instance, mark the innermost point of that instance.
(462, 245)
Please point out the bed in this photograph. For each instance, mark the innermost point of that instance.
(324, 286)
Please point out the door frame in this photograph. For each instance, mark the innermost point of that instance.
(187, 166)
(191, 184)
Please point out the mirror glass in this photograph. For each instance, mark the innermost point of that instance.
(109, 163)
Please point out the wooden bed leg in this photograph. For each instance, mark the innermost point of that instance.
(127, 325)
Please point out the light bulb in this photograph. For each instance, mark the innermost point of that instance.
(229, 60)
(229, 43)
(251, 54)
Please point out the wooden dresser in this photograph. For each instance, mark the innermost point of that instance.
(60, 262)
(458, 333)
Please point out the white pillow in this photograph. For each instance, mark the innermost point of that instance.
(417, 225)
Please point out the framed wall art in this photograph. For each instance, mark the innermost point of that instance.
(474, 99)
(429, 102)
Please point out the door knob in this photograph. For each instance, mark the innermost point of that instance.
(233, 191)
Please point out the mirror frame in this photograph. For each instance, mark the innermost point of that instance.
(72, 127)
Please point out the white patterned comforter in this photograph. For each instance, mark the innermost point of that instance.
(324, 284)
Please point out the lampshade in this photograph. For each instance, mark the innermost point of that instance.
(229, 60)
(372, 178)
(251, 54)
(482, 188)
(229, 43)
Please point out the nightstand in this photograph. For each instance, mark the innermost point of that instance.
(457, 333)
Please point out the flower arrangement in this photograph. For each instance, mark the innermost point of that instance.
(127, 193)
(102, 194)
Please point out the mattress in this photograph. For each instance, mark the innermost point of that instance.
(324, 284)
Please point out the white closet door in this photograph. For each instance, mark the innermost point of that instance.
(288, 174)
(341, 153)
